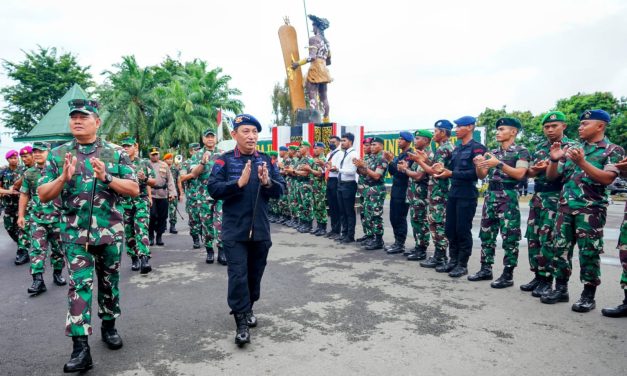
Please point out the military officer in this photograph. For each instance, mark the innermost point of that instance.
(190, 189)
(162, 193)
(10, 190)
(175, 169)
(304, 174)
(504, 167)
(361, 192)
(284, 208)
(90, 175)
(319, 190)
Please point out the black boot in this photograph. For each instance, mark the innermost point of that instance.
(242, 335)
(38, 285)
(446, 268)
(314, 229)
(145, 267)
(159, 241)
(560, 294)
(221, 256)
(21, 257)
(57, 278)
(173, 229)
(505, 280)
(196, 240)
(110, 334)
(376, 243)
(305, 228)
(395, 248)
(151, 238)
(418, 254)
(458, 271)
(322, 230)
(618, 311)
(364, 239)
(484, 274)
(135, 263)
(532, 284)
(438, 258)
(586, 301)
(80, 360)
(251, 319)
(209, 259)
(543, 287)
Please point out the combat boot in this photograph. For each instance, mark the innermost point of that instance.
(395, 248)
(619, 311)
(364, 239)
(80, 360)
(135, 263)
(586, 301)
(221, 256)
(560, 294)
(418, 254)
(110, 334)
(532, 284)
(543, 287)
(251, 319)
(322, 230)
(173, 229)
(505, 280)
(145, 267)
(458, 271)
(446, 268)
(209, 259)
(438, 258)
(159, 241)
(376, 243)
(57, 278)
(484, 274)
(242, 335)
(21, 257)
(314, 228)
(196, 240)
(151, 238)
(38, 285)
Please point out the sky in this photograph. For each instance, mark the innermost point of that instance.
(396, 64)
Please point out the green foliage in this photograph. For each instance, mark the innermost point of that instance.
(282, 105)
(40, 80)
(528, 136)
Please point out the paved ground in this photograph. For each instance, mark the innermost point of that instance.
(325, 309)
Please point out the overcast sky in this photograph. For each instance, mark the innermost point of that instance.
(396, 64)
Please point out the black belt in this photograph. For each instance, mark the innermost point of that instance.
(160, 187)
(498, 186)
(348, 182)
(548, 187)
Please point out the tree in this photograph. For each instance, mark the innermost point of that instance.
(529, 135)
(282, 105)
(41, 79)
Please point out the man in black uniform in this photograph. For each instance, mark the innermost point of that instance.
(462, 198)
(398, 195)
(245, 179)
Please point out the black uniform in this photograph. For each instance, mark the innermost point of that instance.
(246, 241)
(398, 198)
(462, 201)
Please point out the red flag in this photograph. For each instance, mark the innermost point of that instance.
(219, 117)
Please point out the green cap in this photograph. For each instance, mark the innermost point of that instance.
(377, 139)
(208, 132)
(293, 147)
(554, 116)
(85, 106)
(194, 146)
(41, 145)
(423, 133)
(509, 121)
(305, 143)
(273, 153)
(128, 141)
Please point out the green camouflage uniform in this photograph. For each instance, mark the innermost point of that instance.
(137, 213)
(543, 214)
(305, 191)
(438, 193)
(293, 189)
(622, 249)
(105, 233)
(375, 195)
(582, 213)
(11, 203)
(172, 205)
(319, 194)
(361, 195)
(204, 207)
(44, 227)
(417, 198)
(191, 197)
(500, 207)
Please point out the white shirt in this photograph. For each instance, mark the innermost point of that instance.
(333, 174)
(344, 162)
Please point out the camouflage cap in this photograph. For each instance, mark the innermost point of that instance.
(194, 146)
(85, 106)
(41, 145)
(209, 131)
(128, 141)
(154, 150)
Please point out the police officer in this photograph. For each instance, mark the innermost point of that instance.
(462, 198)
(245, 180)
(162, 193)
(90, 175)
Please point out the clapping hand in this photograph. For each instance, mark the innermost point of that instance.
(540, 166)
(69, 166)
(575, 154)
(263, 174)
(491, 162)
(622, 165)
(556, 152)
(243, 179)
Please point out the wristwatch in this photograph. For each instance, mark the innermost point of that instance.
(108, 179)
(499, 166)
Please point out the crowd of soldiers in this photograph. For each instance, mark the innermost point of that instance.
(436, 183)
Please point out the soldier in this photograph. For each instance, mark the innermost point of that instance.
(292, 188)
(374, 192)
(462, 199)
(438, 190)
(175, 169)
(207, 210)
(398, 195)
(273, 204)
(44, 221)
(504, 167)
(543, 206)
(284, 208)
(91, 175)
(319, 190)
(417, 195)
(621, 310)
(582, 209)
(245, 179)
(162, 193)
(305, 188)
(137, 210)
(10, 199)
(190, 190)
(361, 193)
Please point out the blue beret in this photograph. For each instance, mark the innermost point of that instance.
(406, 136)
(245, 119)
(465, 120)
(283, 148)
(320, 145)
(595, 115)
(444, 124)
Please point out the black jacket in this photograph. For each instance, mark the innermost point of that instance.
(464, 180)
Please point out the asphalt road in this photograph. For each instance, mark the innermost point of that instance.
(325, 309)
